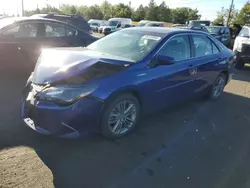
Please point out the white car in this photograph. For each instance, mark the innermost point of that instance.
(242, 47)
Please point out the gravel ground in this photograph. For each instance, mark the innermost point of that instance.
(197, 144)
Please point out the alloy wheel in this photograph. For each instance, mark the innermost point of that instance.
(122, 117)
(219, 86)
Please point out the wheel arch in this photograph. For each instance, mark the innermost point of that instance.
(226, 73)
(126, 90)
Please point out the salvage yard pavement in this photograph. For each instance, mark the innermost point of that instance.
(193, 144)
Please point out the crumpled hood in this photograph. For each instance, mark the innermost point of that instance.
(75, 65)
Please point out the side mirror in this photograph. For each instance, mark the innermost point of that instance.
(164, 60)
(119, 25)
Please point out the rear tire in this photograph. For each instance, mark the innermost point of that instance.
(218, 87)
(120, 116)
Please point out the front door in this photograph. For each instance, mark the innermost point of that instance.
(175, 82)
(21, 44)
(8, 54)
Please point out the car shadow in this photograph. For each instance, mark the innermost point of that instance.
(170, 148)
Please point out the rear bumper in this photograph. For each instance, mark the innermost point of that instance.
(75, 120)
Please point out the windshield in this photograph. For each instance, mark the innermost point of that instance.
(214, 29)
(130, 44)
(112, 23)
(142, 24)
(94, 24)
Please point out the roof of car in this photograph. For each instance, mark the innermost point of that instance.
(216, 26)
(164, 30)
(23, 19)
(18, 19)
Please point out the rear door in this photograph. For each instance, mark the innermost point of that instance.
(60, 35)
(207, 55)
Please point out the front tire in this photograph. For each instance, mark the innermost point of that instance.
(120, 116)
(218, 86)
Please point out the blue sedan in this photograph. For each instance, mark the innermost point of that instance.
(108, 86)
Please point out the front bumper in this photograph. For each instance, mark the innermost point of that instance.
(242, 57)
(106, 32)
(75, 120)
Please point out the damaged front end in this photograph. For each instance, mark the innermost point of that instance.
(56, 98)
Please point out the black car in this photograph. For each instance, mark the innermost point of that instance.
(77, 21)
(22, 39)
(221, 33)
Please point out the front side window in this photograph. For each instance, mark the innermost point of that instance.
(57, 30)
(130, 44)
(22, 31)
(177, 48)
(202, 46)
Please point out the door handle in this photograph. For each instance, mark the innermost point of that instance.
(220, 58)
(192, 70)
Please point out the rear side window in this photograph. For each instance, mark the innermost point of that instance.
(215, 48)
(178, 48)
(202, 46)
(58, 30)
(77, 22)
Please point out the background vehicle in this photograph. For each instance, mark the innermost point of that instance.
(242, 47)
(95, 24)
(154, 24)
(77, 21)
(200, 28)
(221, 33)
(115, 24)
(21, 40)
(179, 25)
(108, 86)
(197, 23)
(142, 23)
